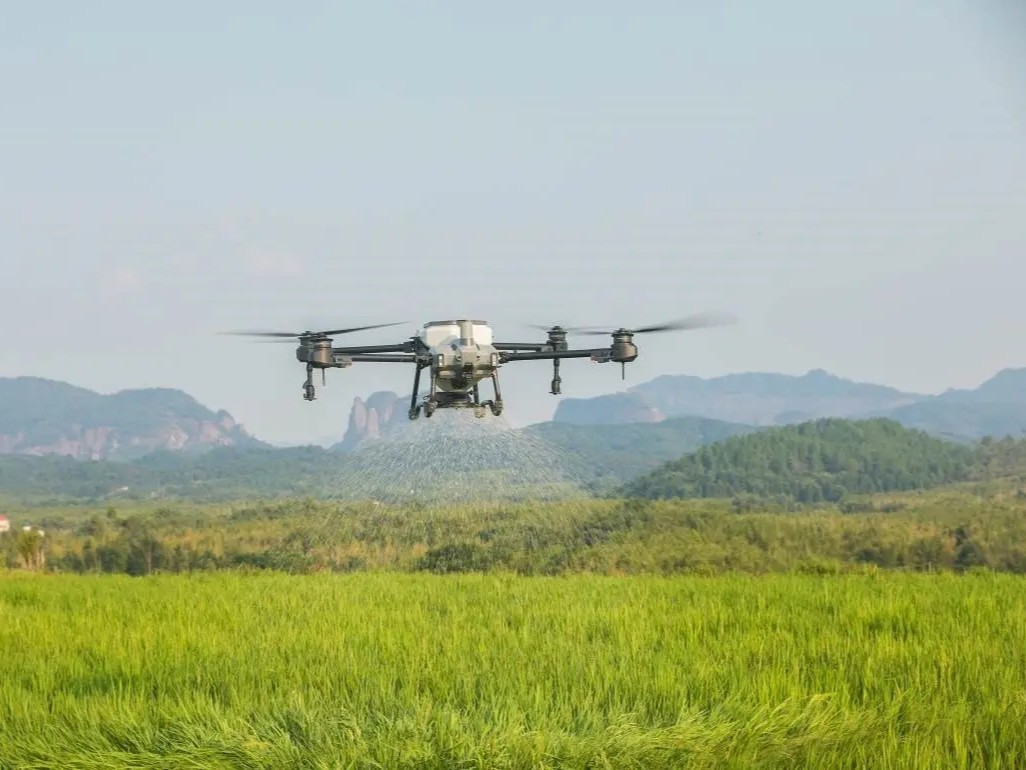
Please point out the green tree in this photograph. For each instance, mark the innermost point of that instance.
(30, 549)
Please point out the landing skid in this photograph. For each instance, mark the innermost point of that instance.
(459, 400)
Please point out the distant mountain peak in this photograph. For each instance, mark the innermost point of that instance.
(372, 418)
(1006, 386)
(822, 374)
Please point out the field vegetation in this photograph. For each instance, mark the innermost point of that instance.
(393, 670)
(763, 628)
(955, 528)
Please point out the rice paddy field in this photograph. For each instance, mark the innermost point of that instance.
(494, 670)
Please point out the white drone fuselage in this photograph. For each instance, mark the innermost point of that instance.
(462, 353)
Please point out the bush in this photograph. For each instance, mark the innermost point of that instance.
(455, 557)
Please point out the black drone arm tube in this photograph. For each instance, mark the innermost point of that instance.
(539, 346)
(548, 355)
(408, 358)
(358, 350)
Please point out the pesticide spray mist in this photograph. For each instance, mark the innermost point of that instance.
(454, 457)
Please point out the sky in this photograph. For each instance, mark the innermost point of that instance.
(848, 180)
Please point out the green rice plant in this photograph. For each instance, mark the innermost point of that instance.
(494, 670)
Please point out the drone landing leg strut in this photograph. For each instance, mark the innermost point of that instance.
(308, 386)
(414, 408)
(478, 406)
(431, 404)
(496, 405)
(556, 380)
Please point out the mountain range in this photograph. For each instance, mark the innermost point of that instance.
(162, 441)
(601, 440)
(754, 399)
(995, 408)
(40, 416)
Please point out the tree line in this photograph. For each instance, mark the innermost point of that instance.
(935, 531)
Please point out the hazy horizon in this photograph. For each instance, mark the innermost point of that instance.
(849, 182)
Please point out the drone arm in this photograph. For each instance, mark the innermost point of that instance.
(346, 359)
(596, 354)
(535, 346)
(403, 347)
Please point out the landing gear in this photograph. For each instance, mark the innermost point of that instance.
(497, 404)
(494, 405)
(430, 403)
(414, 407)
(556, 380)
(452, 399)
(308, 386)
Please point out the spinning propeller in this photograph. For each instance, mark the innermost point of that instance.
(698, 321)
(309, 336)
(556, 327)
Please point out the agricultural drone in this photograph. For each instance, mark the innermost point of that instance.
(459, 354)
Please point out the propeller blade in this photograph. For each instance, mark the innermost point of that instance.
(697, 321)
(337, 332)
(301, 335)
(544, 328)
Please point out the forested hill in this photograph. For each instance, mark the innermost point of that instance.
(822, 460)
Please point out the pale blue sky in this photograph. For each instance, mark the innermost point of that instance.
(849, 180)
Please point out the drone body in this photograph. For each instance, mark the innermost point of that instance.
(462, 355)
(458, 355)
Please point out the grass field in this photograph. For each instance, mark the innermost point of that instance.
(380, 670)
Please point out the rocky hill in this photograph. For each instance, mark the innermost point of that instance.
(47, 417)
(378, 416)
